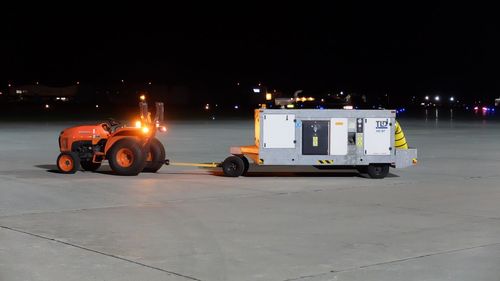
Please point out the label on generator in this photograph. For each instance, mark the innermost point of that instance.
(315, 141)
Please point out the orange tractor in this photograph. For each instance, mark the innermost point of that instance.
(129, 150)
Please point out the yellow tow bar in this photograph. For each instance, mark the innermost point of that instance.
(187, 164)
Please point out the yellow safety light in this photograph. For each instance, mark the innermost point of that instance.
(269, 96)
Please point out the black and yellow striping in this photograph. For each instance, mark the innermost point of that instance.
(325, 162)
(399, 138)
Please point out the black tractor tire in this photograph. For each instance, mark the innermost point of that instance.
(90, 166)
(378, 171)
(126, 157)
(233, 166)
(157, 151)
(68, 162)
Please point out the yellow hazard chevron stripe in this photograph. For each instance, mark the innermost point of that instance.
(325, 161)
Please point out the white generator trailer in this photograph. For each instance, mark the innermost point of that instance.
(367, 140)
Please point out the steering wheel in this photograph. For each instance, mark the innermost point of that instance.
(112, 124)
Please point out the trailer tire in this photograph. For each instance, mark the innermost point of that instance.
(126, 157)
(68, 162)
(246, 163)
(233, 166)
(378, 171)
(362, 169)
(157, 151)
(90, 166)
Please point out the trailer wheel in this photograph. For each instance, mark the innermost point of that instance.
(362, 169)
(126, 157)
(246, 164)
(233, 166)
(90, 166)
(155, 156)
(68, 162)
(378, 171)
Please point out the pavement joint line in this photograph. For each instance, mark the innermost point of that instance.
(394, 261)
(99, 252)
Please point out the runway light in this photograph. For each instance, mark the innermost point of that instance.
(138, 124)
(256, 90)
(145, 130)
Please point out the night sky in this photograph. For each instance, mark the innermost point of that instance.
(404, 49)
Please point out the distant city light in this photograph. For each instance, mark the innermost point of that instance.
(9, 85)
(452, 99)
(237, 83)
(236, 107)
(123, 81)
(96, 106)
(150, 83)
(63, 98)
(260, 84)
(436, 98)
(341, 93)
(37, 82)
(77, 82)
(47, 106)
(207, 106)
(426, 97)
(256, 90)
(1, 93)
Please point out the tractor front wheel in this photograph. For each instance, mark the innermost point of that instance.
(126, 157)
(68, 162)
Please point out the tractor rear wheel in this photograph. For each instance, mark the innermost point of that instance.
(68, 162)
(155, 156)
(126, 157)
(90, 166)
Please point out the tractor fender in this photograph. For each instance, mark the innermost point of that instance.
(112, 140)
